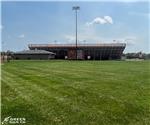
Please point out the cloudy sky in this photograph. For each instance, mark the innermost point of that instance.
(24, 23)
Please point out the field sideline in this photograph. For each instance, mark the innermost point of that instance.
(61, 92)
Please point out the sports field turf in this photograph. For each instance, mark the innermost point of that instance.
(77, 92)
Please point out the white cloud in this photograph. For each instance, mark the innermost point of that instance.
(99, 20)
(108, 19)
(21, 36)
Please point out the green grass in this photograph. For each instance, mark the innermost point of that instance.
(77, 92)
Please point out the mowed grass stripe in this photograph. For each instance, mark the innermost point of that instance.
(52, 74)
(67, 101)
(122, 70)
(32, 100)
(36, 98)
(35, 80)
(70, 74)
(53, 77)
(36, 88)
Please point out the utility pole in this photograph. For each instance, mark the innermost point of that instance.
(76, 8)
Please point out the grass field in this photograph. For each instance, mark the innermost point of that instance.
(77, 92)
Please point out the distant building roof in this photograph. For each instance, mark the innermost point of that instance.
(35, 52)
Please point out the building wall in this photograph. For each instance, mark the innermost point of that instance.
(34, 56)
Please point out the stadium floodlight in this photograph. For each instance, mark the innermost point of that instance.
(76, 8)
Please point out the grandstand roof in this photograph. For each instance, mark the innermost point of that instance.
(79, 45)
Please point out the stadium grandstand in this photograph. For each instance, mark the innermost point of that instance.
(105, 51)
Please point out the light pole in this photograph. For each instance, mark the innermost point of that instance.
(76, 8)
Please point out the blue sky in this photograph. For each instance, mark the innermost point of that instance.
(24, 23)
